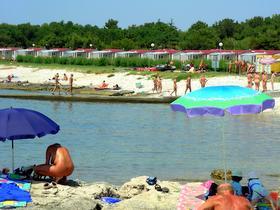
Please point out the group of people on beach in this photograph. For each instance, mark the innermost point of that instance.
(234, 196)
(157, 84)
(254, 79)
(240, 66)
(202, 81)
(58, 85)
(257, 79)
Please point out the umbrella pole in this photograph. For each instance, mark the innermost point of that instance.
(13, 164)
(224, 149)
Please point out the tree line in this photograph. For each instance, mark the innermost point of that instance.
(255, 33)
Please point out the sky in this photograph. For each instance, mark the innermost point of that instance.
(183, 13)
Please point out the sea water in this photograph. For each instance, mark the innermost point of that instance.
(114, 142)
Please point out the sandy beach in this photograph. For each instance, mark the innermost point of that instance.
(125, 81)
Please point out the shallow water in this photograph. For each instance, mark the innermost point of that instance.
(115, 142)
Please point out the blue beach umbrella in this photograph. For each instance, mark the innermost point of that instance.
(217, 100)
(20, 123)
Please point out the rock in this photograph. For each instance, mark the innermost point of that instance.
(81, 197)
(134, 187)
(147, 197)
(135, 194)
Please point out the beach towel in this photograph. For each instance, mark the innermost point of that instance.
(10, 191)
(191, 197)
(139, 85)
(23, 185)
(110, 200)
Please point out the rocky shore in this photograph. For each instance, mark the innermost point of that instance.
(135, 194)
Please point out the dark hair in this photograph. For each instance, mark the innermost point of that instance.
(56, 145)
(236, 178)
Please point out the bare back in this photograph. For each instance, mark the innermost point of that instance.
(228, 202)
(188, 82)
(257, 78)
(63, 159)
(58, 163)
(71, 81)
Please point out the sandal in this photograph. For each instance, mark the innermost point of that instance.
(54, 184)
(165, 190)
(47, 186)
(158, 187)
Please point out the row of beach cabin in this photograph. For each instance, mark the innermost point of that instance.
(215, 55)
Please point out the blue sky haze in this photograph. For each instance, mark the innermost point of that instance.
(183, 13)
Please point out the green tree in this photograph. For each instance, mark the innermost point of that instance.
(199, 36)
(111, 24)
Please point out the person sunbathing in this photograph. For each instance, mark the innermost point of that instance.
(10, 77)
(58, 164)
(104, 85)
(116, 87)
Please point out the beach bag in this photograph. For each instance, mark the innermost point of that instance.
(24, 171)
(151, 180)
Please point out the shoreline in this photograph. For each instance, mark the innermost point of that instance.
(125, 80)
(38, 82)
(113, 99)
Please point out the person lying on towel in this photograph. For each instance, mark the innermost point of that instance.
(103, 85)
(58, 164)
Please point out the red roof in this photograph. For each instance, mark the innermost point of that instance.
(35, 49)
(114, 50)
(60, 49)
(169, 51)
(194, 51)
(266, 52)
(86, 50)
(139, 51)
(11, 48)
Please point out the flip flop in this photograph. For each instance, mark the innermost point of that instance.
(54, 184)
(47, 186)
(165, 190)
(51, 191)
(158, 187)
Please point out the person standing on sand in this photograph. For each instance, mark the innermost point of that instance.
(203, 81)
(226, 200)
(188, 84)
(65, 78)
(264, 81)
(174, 87)
(243, 66)
(250, 80)
(237, 66)
(155, 88)
(56, 84)
(273, 75)
(257, 81)
(229, 66)
(159, 85)
(70, 89)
